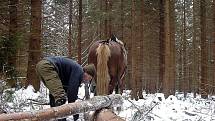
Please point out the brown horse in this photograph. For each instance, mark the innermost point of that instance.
(110, 59)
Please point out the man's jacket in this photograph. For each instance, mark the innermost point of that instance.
(70, 73)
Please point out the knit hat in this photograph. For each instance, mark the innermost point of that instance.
(90, 69)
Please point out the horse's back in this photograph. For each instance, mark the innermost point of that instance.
(117, 57)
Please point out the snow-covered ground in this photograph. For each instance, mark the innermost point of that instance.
(154, 107)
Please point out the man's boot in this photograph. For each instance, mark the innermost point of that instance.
(60, 102)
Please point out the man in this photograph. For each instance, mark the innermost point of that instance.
(63, 76)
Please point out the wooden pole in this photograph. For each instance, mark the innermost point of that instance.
(93, 104)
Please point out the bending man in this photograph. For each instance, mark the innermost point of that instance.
(63, 76)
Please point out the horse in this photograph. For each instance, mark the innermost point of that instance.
(110, 59)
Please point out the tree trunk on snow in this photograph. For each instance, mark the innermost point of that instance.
(167, 46)
(133, 53)
(141, 53)
(34, 44)
(162, 47)
(195, 62)
(95, 103)
(184, 53)
(213, 91)
(168, 77)
(204, 54)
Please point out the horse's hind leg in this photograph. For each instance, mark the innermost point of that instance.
(117, 88)
(116, 85)
(111, 87)
(122, 84)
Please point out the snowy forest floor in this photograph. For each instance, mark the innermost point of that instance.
(154, 107)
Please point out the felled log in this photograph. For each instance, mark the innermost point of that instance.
(106, 115)
(93, 104)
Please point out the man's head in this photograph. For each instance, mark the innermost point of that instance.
(89, 70)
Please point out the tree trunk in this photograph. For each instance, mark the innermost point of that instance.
(34, 43)
(127, 81)
(204, 57)
(22, 48)
(106, 20)
(122, 20)
(79, 32)
(184, 54)
(195, 64)
(172, 48)
(167, 47)
(110, 25)
(141, 53)
(162, 46)
(95, 103)
(213, 47)
(100, 19)
(70, 29)
(134, 53)
(12, 32)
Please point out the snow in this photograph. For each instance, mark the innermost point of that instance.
(174, 108)
(154, 107)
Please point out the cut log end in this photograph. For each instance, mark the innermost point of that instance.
(106, 115)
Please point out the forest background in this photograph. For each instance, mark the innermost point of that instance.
(170, 43)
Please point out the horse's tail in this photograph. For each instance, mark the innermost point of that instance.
(103, 54)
